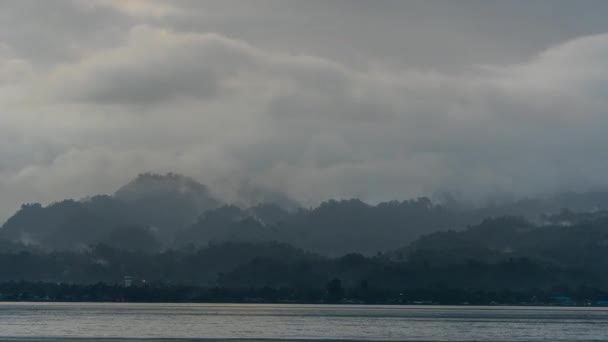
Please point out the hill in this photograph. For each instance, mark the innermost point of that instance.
(174, 211)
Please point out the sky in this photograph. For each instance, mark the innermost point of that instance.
(316, 99)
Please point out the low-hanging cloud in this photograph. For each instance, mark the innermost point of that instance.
(224, 111)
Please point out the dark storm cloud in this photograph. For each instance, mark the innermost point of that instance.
(382, 99)
(428, 34)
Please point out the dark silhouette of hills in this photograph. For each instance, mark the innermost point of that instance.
(581, 243)
(240, 265)
(165, 203)
(151, 207)
(333, 228)
(499, 254)
(501, 259)
(63, 225)
(109, 264)
(158, 212)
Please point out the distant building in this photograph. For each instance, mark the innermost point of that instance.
(128, 281)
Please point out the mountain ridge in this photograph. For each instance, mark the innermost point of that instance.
(173, 211)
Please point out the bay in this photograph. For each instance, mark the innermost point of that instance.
(125, 321)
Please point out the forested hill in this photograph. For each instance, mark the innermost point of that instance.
(228, 249)
(499, 255)
(580, 243)
(159, 212)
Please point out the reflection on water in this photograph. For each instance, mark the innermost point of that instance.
(25, 321)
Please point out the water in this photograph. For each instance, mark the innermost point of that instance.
(86, 321)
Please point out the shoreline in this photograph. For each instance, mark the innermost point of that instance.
(269, 304)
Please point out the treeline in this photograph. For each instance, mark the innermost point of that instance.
(507, 252)
(332, 293)
(277, 265)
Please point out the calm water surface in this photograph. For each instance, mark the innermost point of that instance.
(85, 321)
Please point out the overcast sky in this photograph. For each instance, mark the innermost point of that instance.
(317, 99)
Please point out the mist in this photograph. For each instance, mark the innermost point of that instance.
(310, 101)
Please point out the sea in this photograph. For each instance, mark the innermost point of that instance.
(286, 322)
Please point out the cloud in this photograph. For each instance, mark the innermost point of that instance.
(224, 111)
(152, 66)
(145, 8)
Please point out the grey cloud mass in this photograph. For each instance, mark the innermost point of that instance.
(315, 99)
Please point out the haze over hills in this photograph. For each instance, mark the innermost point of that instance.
(156, 212)
(165, 203)
(169, 230)
(505, 254)
(158, 205)
(578, 242)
